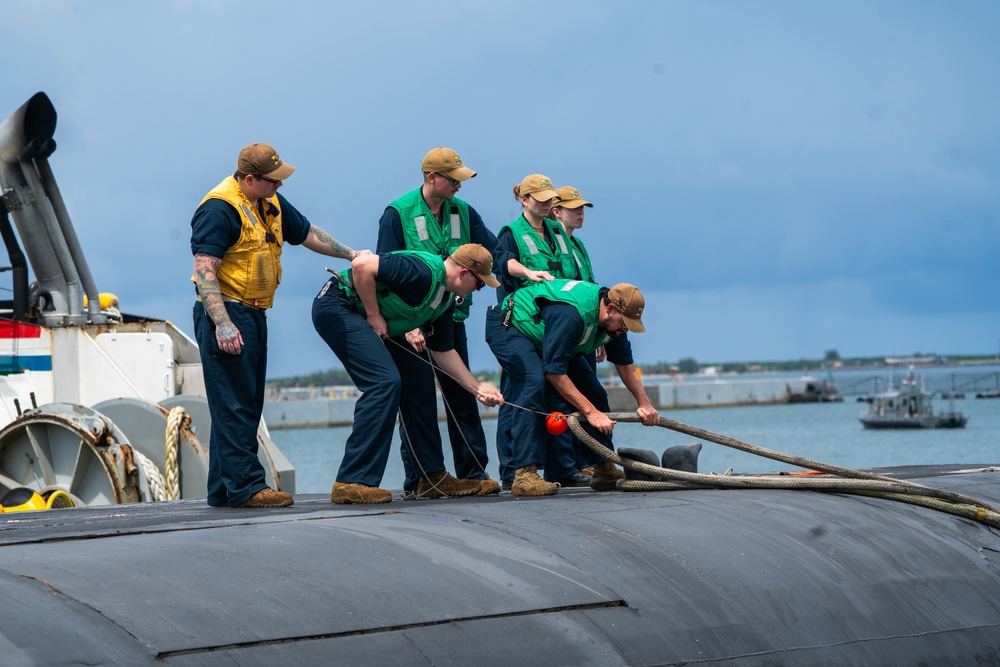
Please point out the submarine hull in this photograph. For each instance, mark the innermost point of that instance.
(706, 577)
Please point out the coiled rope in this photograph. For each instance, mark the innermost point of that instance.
(157, 485)
(175, 421)
(852, 481)
(166, 487)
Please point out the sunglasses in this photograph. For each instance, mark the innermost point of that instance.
(479, 281)
(451, 181)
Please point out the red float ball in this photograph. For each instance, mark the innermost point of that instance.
(556, 423)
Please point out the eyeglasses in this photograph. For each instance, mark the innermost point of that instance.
(623, 329)
(615, 329)
(451, 181)
(479, 282)
(269, 180)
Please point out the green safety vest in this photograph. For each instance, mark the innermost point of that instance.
(582, 260)
(535, 253)
(400, 316)
(583, 296)
(422, 231)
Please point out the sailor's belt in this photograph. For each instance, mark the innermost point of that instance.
(232, 299)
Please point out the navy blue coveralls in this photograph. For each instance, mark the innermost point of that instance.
(525, 370)
(234, 383)
(419, 407)
(506, 250)
(373, 366)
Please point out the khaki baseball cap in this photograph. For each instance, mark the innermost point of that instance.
(629, 301)
(477, 259)
(443, 160)
(262, 160)
(569, 197)
(538, 186)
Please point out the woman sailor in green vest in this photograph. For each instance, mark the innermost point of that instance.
(533, 239)
(568, 211)
(358, 313)
(545, 331)
(541, 245)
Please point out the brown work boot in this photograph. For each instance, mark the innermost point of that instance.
(488, 487)
(268, 498)
(606, 477)
(528, 483)
(344, 493)
(440, 484)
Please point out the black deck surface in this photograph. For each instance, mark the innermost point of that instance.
(581, 578)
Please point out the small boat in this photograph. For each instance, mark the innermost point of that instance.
(816, 392)
(908, 407)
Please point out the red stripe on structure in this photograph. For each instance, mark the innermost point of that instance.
(10, 329)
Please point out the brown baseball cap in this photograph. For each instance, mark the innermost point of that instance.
(477, 259)
(262, 160)
(629, 301)
(569, 197)
(538, 186)
(443, 160)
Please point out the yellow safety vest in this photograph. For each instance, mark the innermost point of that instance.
(251, 268)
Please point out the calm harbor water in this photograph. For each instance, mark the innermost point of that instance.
(825, 432)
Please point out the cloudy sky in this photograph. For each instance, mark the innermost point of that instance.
(780, 178)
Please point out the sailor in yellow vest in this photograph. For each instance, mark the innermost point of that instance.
(237, 234)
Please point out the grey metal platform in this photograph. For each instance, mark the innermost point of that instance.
(582, 578)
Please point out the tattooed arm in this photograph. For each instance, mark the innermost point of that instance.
(226, 333)
(321, 242)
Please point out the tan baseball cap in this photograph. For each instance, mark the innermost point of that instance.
(262, 160)
(538, 186)
(569, 197)
(443, 160)
(477, 259)
(629, 301)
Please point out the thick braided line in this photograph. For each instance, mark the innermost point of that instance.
(769, 453)
(729, 481)
(173, 477)
(153, 477)
(973, 509)
(857, 481)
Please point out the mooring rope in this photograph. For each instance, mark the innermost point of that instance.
(175, 421)
(154, 478)
(851, 481)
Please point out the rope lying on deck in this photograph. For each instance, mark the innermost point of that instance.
(857, 482)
